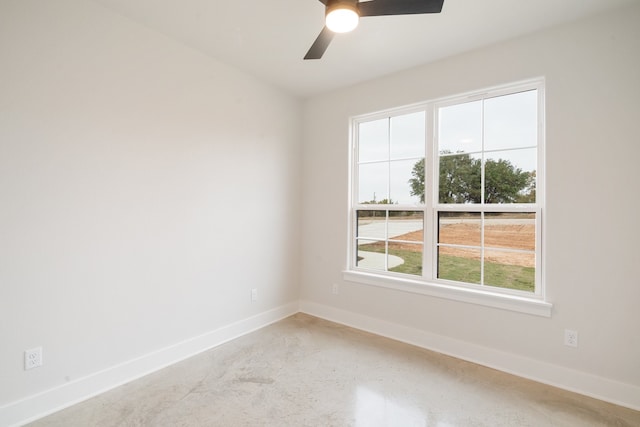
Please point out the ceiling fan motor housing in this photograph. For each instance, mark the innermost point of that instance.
(341, 4)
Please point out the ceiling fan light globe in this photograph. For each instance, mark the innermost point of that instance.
(342, 20)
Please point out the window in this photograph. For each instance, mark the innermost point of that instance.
(447, 195)
(386, 237)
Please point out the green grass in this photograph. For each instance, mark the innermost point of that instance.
(412, 262)
(464, 269)
(510, 276)
(459, 269)
(412, 259)
(500, 275)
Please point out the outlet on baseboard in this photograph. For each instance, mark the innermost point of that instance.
(571, 338)
(32, 358)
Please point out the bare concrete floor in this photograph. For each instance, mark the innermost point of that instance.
(304, 371)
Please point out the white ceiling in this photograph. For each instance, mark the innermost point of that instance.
(268, 38)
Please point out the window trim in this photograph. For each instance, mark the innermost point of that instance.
(456, 293)
(503, 298)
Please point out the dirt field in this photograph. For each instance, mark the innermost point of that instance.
(520, 236)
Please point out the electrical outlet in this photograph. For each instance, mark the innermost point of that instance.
(571, 338)
(335, 289)
(254, 294)
(32, 358)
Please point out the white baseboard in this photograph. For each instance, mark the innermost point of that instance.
(619, 393)
(50, 401)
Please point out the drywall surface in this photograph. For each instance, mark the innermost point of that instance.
(591, 230)
(145, 189)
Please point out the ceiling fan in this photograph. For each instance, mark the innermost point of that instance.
(342, 16)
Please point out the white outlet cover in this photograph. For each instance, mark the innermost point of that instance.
(570, 338)
(32, 358)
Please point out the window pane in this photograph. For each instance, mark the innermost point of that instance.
(373, 140)
(371, 254)
(416, 182)
(407, 136)
(405, 258)
(460, 179)
(459, 228)
(373, 182)
(512, 270)
(511, 121)
(510, 230)
(459, 264)
(510, 176)
(372, 225)
(460, 128)
(400, 181)
(406, 225)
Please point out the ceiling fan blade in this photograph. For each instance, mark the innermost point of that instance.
(320, 45)
(399, 7)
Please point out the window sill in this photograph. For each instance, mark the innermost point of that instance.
(489, 299)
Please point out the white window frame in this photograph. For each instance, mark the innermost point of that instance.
(428, 284)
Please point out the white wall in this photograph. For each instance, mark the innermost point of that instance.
(131, 168)
(591, 236)
(144, 190)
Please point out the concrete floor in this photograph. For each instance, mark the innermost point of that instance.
(303, 371)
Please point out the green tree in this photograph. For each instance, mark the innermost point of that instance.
(417, 182)
(460, 178)
(460, 181)
(379, 202)
(528, 194)
(503, 181)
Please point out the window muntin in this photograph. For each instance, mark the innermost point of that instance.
(477, 195)
(390, 240)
